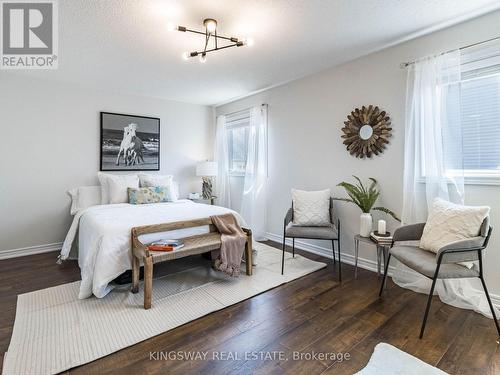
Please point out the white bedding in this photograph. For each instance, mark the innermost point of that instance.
(104, 248)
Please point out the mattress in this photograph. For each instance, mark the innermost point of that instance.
(104, 245)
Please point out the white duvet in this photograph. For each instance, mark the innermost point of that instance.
(104, 246)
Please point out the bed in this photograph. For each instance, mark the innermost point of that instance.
(103, 234)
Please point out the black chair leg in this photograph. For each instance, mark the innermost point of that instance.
(429, 300)
(491, 305)
(385, 275)
(293, 247)
(340, 262)
(283, 256)
(333, 253)
(338, 243)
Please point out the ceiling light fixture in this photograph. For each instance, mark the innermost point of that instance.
(211, 35)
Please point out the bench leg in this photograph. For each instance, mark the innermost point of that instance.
(148, 281)
(248, 249)
(135, 274)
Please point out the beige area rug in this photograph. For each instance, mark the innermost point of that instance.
(55, 331)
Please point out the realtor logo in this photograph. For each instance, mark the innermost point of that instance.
(29, 34)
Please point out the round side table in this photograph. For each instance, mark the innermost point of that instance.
(382, 251)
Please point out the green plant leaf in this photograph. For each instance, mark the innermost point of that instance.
(343, 200)
(372, 198)
(354, 193)
(387, 211)
(364, 197)
(360, 184)
(373, 185)
(361, 196)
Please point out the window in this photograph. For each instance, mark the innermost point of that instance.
(238, 125)
(480, 110)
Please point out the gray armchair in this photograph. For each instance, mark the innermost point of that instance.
(442, 265)
(330, 233)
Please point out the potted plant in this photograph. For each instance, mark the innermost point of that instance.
(365, 199)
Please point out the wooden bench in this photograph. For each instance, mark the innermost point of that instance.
(192, 245)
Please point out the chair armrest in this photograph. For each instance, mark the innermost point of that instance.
(331, 212)
(412, 232)
(288, 216)
(469, 244)
(461, 251)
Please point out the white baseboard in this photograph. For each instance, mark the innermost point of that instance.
(366, 264)
(31, 250)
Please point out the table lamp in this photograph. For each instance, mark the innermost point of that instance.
(206, 170)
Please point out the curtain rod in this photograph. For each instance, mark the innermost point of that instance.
(406, 64)
(242, 110)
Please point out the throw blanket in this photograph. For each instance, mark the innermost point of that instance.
(233, 244)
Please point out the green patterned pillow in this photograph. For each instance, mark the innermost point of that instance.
(146, 195)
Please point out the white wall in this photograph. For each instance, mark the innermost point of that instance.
(50, 143)
(305, 118)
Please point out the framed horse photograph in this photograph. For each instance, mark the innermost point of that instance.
(129, 142)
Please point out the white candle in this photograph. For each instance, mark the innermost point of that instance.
(381, 226)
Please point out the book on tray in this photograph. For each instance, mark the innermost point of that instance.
(166, 245)
(384, 239)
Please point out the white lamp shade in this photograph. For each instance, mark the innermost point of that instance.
(206, 168)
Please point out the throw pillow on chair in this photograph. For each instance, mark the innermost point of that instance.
(311, 208)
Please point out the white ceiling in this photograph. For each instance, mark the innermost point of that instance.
(124, 45)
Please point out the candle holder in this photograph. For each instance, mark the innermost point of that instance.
(386, 234)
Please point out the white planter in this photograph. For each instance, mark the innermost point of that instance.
(365, 225)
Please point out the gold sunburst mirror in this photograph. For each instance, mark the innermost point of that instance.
(366, 131)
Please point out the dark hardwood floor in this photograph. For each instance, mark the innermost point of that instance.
(311, 314)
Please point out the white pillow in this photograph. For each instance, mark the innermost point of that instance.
(174, 190)
(83, 197)
(311, 208)
(449, 222)
(114, 187)
(152, 180)
(103, 180)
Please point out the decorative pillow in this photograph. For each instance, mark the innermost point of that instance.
(449, 222)
(114, 187)
(151, 180)
(311, 208)
(149, 195)
(83, 197)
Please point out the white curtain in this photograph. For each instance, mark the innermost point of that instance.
(222, 158)
(433, 165)
(253, 203)
(433, 135)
